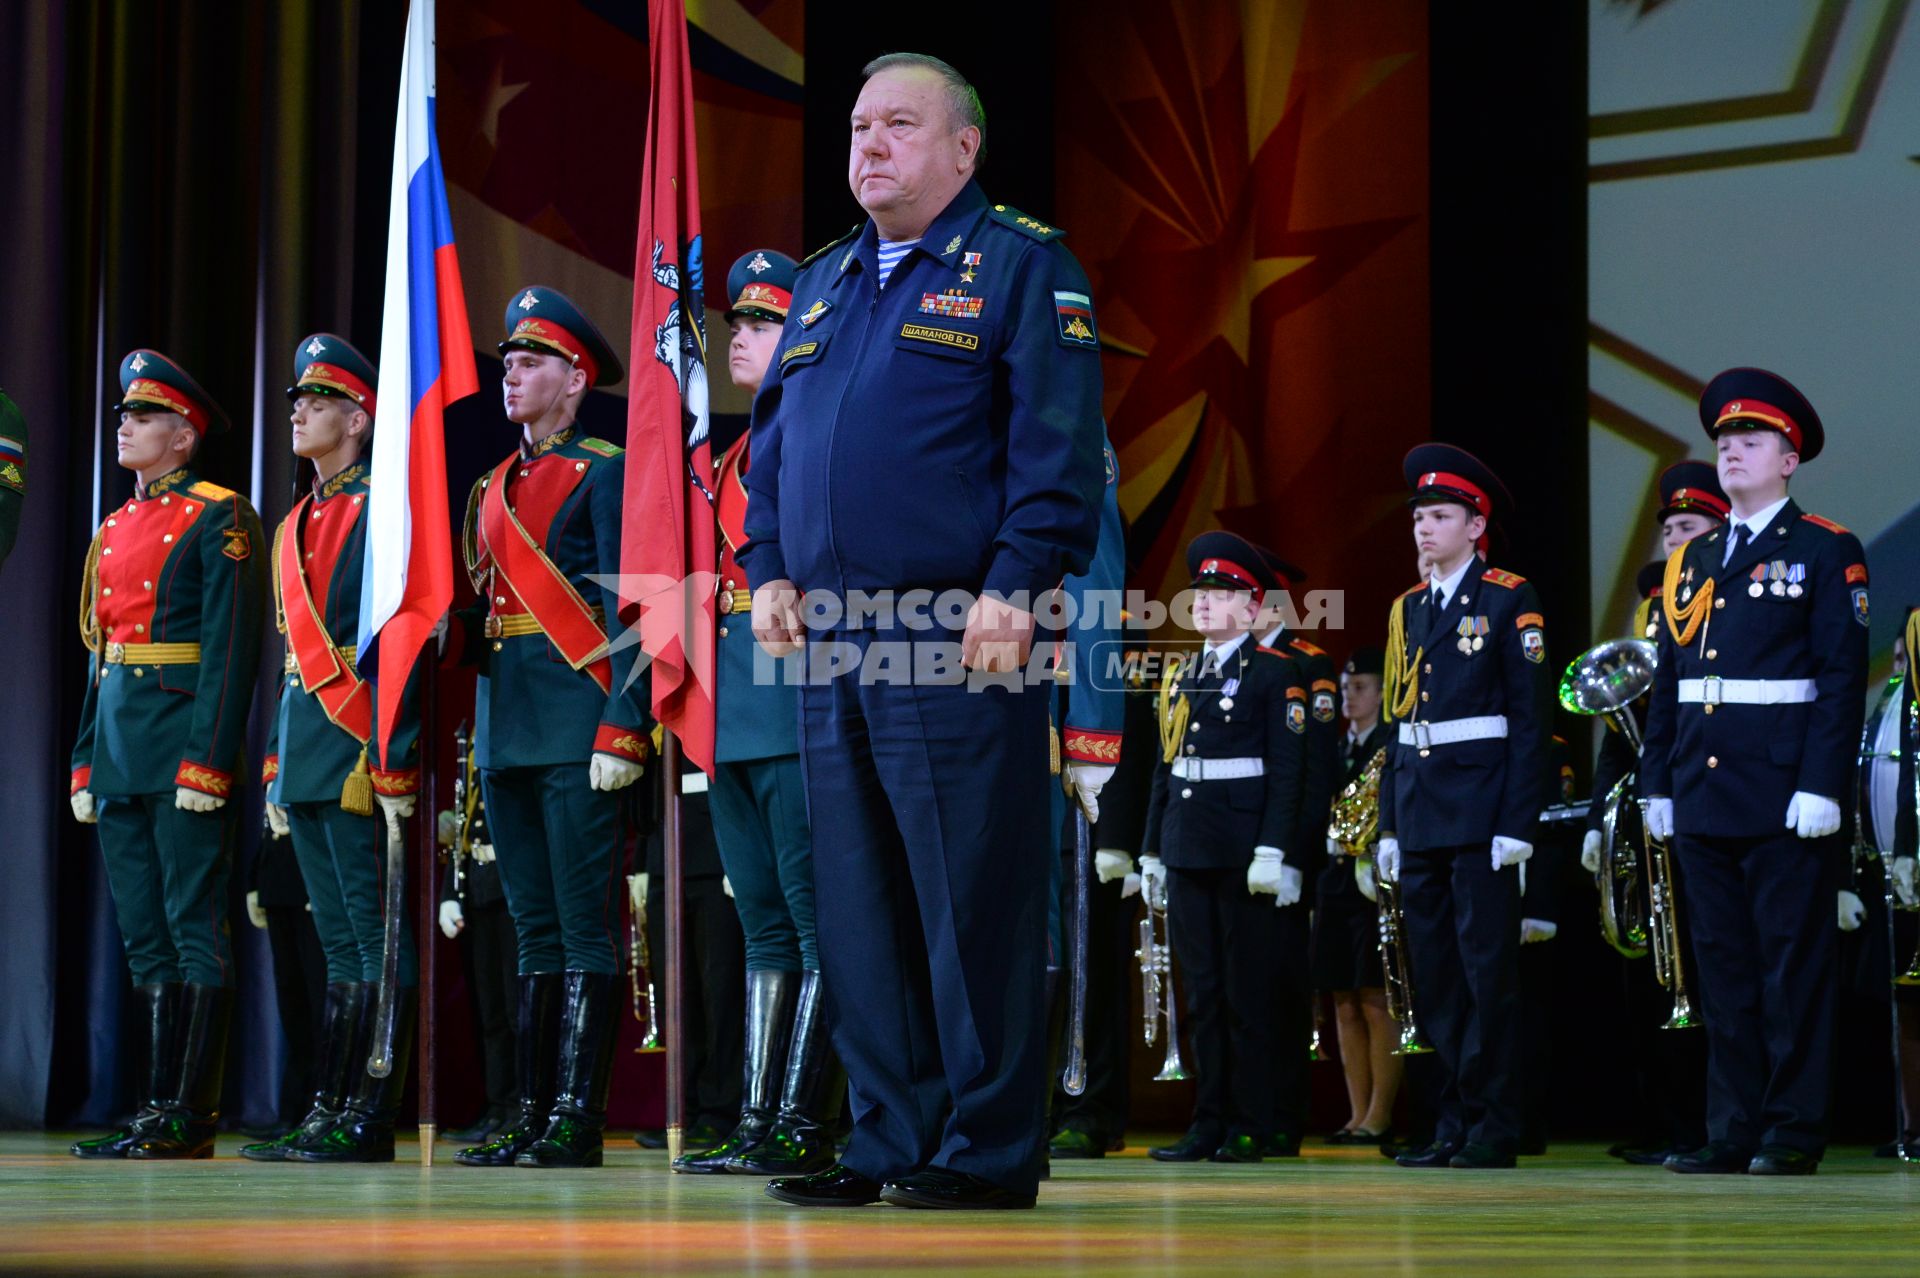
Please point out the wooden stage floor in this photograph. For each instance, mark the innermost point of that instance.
(1575, 1212)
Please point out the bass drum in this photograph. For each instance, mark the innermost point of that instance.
(1880, 769)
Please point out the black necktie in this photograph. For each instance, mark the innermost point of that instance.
(1733, 542)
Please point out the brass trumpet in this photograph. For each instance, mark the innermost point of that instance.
(1156, 983)
(1355, 823)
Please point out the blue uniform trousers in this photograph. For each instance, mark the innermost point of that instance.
(1463, 933)
(760, 825)
(557, 842)
(931, 902)
(343, 862)
(168, 870)
(1767, 968)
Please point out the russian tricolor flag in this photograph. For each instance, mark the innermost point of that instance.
(426, 362)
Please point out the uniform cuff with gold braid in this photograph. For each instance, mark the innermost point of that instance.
(627, 743)
(269, 768)
(81, 778)
(1084, 745)
(404, 782)
(198, 776)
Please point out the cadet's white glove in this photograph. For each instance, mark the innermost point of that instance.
(1387, 860)
(1812, 817)
(1660, 818)
(1509, 851)
(1130, 886)
(726, 885)
(1110, 864)
(1853, 911)
(637, 891)
(1334, 848)
(255, 914)
(85, 811)
(453, 919)
(1903, 885)
(446, 828)
(1263, 872)
(1532, 930)
(1153, 879)
(611, 772)
(1292, 883)
(189, 800)
(1365, 877)
(399, 806)
(1590, 852)
(277, 821)
(1087, 780)
(483, 853)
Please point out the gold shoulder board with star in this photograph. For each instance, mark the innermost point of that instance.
(1020, 222)
(594, 444)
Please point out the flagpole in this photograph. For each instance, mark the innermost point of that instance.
(426, 826)
(676, 1099)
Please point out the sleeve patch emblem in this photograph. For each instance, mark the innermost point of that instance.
(1860, 604)
(236, 546)
(1534, 645)
(1297, 716)
(1856, 574)
(1075, 314)
(1323, 706)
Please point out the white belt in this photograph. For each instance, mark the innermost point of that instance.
(1713, 691)
(693, 783)
(1486, 727)
(1189, 768)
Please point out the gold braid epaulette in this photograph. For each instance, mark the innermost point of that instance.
(1403, 672)
(89, 585)
(1174, 710)
(279, 603)
(1684, 620)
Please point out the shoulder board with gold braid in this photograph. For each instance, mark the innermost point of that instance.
(1019, 221)
(1501, 577)
(211, 491)
(830, 245)
(594, 444)
(1311, 650)
(1821, 521)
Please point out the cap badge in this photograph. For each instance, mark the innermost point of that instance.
(759, 263)
(138, 363)
(315, 347)
(528, 302)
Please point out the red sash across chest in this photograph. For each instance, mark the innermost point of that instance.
(517, 509)
(730, 507)
(317, 535)
(134, 545)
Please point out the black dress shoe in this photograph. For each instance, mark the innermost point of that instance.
(1237, 1149)
(1195, 1147)
(1910, 1142)
(1281, 1145)
(1070, 1142)
(1644, 1155)
(1778, 1160)
(1474, 1156)
(940, 1187)
(838, 1186)
(1438, 1154)
(1711, 1159)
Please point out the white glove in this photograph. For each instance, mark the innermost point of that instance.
(1532, 930)
(446, 828)
(277, 821)
(637, 890)
(483, 853)
(1812, 817)
(190, 800)
(1292, 883)
(85, 811)
(1903, 885)
(1334, 848)
(611, 772)
(1263, 872)
(1386, 862)
(1087, 780)
(1110, 864)
(1130, 886)
(453, 919)
(255, 914)
(1660, 818)
(1590, 852)
(399, 805)
(1365, 877)
(1509, 852)
(1853, 911)
(1153, 879)
(726, 885)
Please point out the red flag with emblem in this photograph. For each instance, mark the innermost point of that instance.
(667, 537)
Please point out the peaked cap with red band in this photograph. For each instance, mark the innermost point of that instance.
(1454, 474)
(1693, 488)
(1754, 397)
(760, 285)
(150, 382)
(1648, 580)
(1229, 561)
(543, 320)
(328, 364)
(1286, 575)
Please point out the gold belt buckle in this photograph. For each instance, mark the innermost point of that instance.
(493, 628)
(116, 654)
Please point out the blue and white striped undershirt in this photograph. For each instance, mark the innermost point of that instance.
(891, 251)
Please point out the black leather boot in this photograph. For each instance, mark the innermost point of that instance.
(188, 1119)
(161, 1004)
(800, 1143)
(534, 1055)
(363, 1133)
(342, 1028)
(1056, 992)
(770, 1000)
(587, 1026)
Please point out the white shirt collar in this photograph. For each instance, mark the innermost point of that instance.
(1274, 636)
(1355, 736)
(1217, 653)
(1452, 583)
(1760, 521)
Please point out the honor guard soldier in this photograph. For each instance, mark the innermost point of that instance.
(1468, 694)
(324, 774)
(932, 423)
(759, 804)
(1225, 805)
(13, 473)
(1906, 919)
(559, 726)
(1751, 742)
(170, 609)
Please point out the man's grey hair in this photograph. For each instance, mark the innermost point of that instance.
(962, 98)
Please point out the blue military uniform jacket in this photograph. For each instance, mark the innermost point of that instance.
(943, 432)
(1731, 768)
(1094, 710)
(1483, 655)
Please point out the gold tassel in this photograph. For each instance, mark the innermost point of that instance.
(1053, 749)
(1403, 673)
(1174, 711)
(1684, 620)
(356, 792)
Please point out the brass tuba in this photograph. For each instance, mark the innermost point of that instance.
(1355, 823)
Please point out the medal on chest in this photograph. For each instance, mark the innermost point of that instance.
(1759, 575)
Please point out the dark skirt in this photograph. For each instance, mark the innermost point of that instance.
(1346, 932)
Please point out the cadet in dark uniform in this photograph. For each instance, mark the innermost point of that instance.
(1906, 922)
(932, 423)
(558, 726)
(1226, 802)
(473, 905)
(1346, 929)
(323, 769)
(1468, 694)
(759, 806)
(170, 608)
(1752, 739)
(13, 473)
(277, 905)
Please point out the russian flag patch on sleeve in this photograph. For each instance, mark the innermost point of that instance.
(1075, 314)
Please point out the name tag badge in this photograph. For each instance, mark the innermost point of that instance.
(950, 337)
